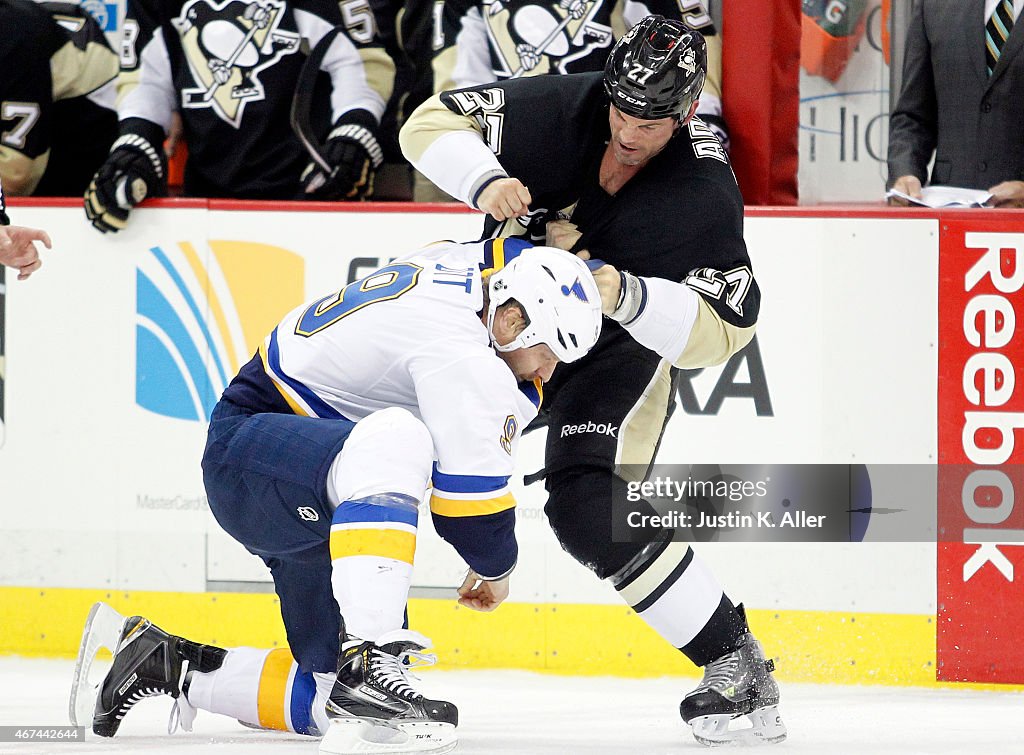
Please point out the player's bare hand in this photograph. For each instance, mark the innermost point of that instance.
(18, 248)
(505, 198)
(175, 136)
(609, 283)
(562, 234)
(909, 185)
(1007, 194)
(479, 595)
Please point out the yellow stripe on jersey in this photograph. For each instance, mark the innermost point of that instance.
(273, 691)
(469, 507)
(396, 544)
(292, 403)
(494, 257)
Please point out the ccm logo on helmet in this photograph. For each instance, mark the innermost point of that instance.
(603, 428)
(631, 100)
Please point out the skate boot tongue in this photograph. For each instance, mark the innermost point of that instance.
(401, 641)
(398, 652)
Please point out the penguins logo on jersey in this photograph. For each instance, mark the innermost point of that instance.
(523, 34)
(227, 46)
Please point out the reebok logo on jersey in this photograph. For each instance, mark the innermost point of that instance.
(576, 290)
(603, 428)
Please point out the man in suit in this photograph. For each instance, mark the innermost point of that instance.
(963, 98)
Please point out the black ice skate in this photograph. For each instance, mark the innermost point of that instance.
(373, 707)
(147, 662)
(739, 684)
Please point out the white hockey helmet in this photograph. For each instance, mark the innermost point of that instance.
(559, 297)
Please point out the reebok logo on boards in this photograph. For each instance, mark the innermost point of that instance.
(602, 428)
(991, 356)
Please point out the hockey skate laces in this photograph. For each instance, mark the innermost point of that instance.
(395, 670)
(183, 712)
(412, 659)
(719, 673)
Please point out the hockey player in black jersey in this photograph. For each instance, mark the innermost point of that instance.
(231, 69)
(479, 41)
(616, 164)
(57, 86)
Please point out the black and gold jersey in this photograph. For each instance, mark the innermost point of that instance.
(679, 219)
(57, 117)
(231, 67)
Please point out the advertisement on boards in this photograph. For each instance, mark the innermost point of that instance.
(981, 452)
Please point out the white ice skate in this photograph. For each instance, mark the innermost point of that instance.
(102, 630)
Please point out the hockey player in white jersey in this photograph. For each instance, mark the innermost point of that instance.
(424, 373)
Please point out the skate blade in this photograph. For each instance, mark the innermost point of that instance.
(356, 736)
(766, 727)
(102, 630)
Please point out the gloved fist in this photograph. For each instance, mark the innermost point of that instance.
(133, 170)
(575, 8)
(354, 155)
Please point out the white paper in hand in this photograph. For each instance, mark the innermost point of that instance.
(945, 196)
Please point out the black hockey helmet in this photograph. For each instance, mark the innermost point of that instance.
(657, 69)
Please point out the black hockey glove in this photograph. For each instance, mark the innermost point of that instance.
(133, 170)
(353, 154)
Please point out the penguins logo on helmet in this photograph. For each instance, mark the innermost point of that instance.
(688, 62)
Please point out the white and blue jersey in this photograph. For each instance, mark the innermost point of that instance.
(410, 335)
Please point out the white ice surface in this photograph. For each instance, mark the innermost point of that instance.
(519, 712)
